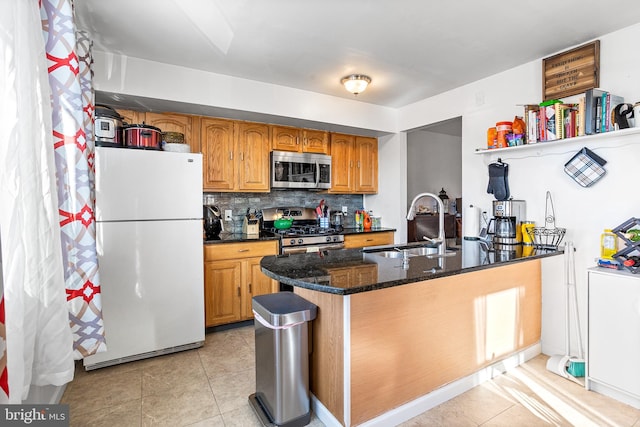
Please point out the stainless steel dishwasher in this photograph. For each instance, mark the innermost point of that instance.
(282, 359)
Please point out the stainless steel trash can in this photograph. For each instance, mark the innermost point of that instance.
(282, 359)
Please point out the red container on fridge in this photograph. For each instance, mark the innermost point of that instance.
(143, 136)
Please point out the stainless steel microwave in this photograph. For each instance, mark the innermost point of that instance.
(300, 170)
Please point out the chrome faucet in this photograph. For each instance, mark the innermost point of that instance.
(440, 240)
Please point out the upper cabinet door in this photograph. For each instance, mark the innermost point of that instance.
(366, 167)
(342, 163)
(218, 154)
(284, 138)
(172, 122)
(315, 141)
(253, 157)
(131, 117)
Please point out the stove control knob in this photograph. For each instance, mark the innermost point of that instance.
(335, 238)
(292, 241)
(300, 241)
(328, 239)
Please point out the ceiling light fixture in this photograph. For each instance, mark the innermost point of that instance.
(356, 83)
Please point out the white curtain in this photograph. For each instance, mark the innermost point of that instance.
(39, 344)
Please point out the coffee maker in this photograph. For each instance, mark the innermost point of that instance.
(212, 222)
(507, 222)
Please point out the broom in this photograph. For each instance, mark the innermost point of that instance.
(565, 365)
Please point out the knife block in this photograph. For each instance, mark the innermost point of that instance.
(250, 226)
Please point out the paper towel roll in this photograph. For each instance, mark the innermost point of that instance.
(471, 222)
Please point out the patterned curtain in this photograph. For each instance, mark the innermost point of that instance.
(70, 77)
(39, 343)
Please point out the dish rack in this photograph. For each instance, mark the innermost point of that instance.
(549, 236)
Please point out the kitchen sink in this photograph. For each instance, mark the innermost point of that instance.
(390, 254)
(426, 251)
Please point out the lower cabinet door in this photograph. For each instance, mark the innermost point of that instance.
(257, 284)
(222, 292)
(614, 330)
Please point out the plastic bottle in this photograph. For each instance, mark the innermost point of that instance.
(503, 128)
(608, 244)
(366, 221)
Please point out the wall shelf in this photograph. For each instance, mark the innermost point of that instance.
(581, 139)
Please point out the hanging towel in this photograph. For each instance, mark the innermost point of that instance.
(498, 182)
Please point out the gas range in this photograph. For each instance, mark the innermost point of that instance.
(305, 235)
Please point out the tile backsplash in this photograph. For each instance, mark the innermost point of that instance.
(239, 202)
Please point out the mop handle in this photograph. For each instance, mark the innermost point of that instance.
(572, 283)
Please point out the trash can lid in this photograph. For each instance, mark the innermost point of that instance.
(284, 308)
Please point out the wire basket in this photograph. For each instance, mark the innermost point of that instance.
(549, 236)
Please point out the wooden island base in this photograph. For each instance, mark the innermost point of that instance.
(373, 352)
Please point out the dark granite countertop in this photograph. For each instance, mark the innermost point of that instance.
(225, 237)
(239, 237)
(313, 270)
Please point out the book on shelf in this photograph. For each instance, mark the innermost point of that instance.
(581, 116)
(599, 105)
(584, 114)
(531, 122)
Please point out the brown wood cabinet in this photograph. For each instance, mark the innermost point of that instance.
(354, 164)
(342, 163)
(354, 276)
(173, 122)
(368, 239)
(253, 152)
(366, 166)
(131, 117)
(218, 165)
(286, 138)
(232, 277)
(235, 155)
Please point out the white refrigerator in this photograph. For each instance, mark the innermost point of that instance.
(149, 241)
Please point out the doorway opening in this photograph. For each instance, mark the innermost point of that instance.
(434, 162)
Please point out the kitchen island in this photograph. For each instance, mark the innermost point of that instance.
(395, 337)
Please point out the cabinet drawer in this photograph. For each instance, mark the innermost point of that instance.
(240, 250)
(368, 239)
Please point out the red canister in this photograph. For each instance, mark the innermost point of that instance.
(143, 136)
(503, 128)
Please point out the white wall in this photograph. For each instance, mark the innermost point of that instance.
(138, 77)
(433, 163)
(391, 200)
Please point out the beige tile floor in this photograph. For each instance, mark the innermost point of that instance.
(210, 386)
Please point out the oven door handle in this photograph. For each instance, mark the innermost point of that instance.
(317, 173)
